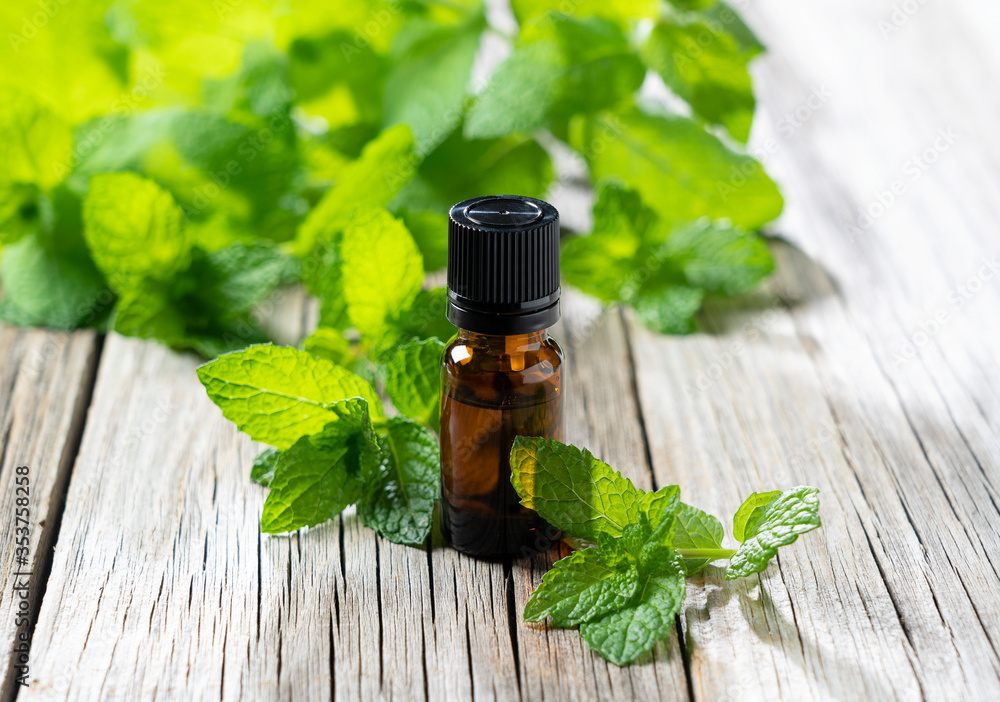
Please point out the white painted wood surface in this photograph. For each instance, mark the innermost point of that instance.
(162, 587)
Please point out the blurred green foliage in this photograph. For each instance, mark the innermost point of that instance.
(168, 165)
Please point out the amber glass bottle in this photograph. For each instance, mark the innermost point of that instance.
(502, 374)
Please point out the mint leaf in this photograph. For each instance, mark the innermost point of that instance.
(564, 65)
(426, 317)
(719, 258)
(262, 470)
(278, 394)
(734, 25)
(670, 309)
(381, 271)
(623, 635)
(751, 513)
(680, 170)
(426, 87)
(319, 475)
(571, 489)
(369, 183)
(399, 493)
(520, 95)
(234, 279)
(145, 310)
(624, 12)
(461, 168)
(48, 288)
(430, 231)
(413, 379)
(663, 272)
(581, 587)
(660, 505)
(66, 57)
(794, 512)
(695, 529)
(134, 229)
(22, 211)
(705, 66)
(328, 343)
(35, 144)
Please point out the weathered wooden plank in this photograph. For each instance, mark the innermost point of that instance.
(45, 383)
(161, 584)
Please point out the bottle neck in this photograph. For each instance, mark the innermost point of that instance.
(501, 343)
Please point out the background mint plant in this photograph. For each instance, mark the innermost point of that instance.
(167, 166)
(625, 591)
(253, 133)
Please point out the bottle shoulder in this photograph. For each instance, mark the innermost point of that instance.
(532, 362)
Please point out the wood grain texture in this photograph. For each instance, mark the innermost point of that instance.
(161, 585)
(45, 383)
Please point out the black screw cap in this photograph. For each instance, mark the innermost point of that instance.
(503, 264)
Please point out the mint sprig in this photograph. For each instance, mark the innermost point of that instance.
(332, 443)
(625, 589)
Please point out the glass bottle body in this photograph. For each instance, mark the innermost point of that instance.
(495, 388)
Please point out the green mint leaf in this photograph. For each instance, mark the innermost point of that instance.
(696, 529)
(145, 310)
(794, 512)
(571, 489)
(413, 379)
(44, 287)
(69, 59)
(134, 229)
(520, 95)
(319, 475)
(719, 258)
(661, 505)
(381, 270)
(232, 280)
(260, 88)
(22, 211)
(678, 168)
(35, 144)
(564, 65)
(726, 17)
(705, 66)
(262, 470)
(624, 635)
(330, 344)
(751, 513)
(399, 493)
(581, 587)
(430, 231)
(461, 168)
(369, 183)
(670, 309)
(679, 265)
(426, 86)
(426, 317)
(624, 12)
(278, 394)
(604, 263)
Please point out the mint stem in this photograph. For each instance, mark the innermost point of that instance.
(714, 553)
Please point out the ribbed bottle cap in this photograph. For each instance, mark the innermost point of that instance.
(503, 264)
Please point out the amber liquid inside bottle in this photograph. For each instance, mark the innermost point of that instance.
(495, 388)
